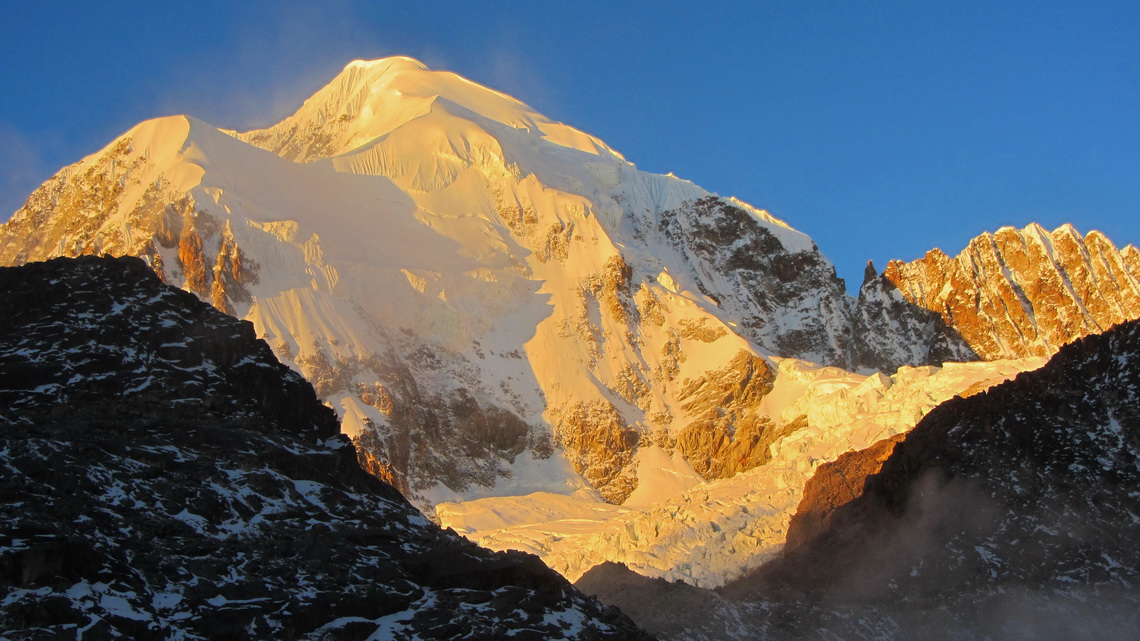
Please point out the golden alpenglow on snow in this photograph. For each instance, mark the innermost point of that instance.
(543, 346)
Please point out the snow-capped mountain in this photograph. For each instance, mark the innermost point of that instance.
(494, 302)
(166, 478)
(500, 306)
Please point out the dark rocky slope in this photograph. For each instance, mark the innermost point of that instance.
(1034, 482)
(166, 478)
(672, 609)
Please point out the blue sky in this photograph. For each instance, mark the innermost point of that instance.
(881, 129)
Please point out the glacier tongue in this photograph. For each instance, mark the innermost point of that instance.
(718, 531)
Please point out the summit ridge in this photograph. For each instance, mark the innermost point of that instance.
(370, 99)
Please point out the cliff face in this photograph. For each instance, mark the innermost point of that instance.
(166, 477)
(785, 298)
(1023, 292)
(834, 485)
(889, 331)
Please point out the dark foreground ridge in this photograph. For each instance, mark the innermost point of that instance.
(164, 477)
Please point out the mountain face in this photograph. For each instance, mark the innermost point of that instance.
(168, 478)
(1021, 292)
(1006, 514)
(498, 304)
(493, 302)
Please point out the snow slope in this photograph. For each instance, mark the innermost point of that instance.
(494, 302)
(717, 531)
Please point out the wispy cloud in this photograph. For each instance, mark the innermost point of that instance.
(515, 74)
(23, 166)
(275, 62)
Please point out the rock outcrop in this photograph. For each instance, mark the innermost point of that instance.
(1025, 292)
(889, 331)
(784, 297)
(834, 485)
(166, 477)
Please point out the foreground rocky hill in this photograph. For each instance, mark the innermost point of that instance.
(166, 478)
(1009, 514)
(1032, 485)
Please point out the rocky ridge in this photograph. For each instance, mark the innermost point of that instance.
(1021, 292)
(168, 478)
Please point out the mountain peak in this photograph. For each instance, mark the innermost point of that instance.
(371, 99)
(392, 62)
